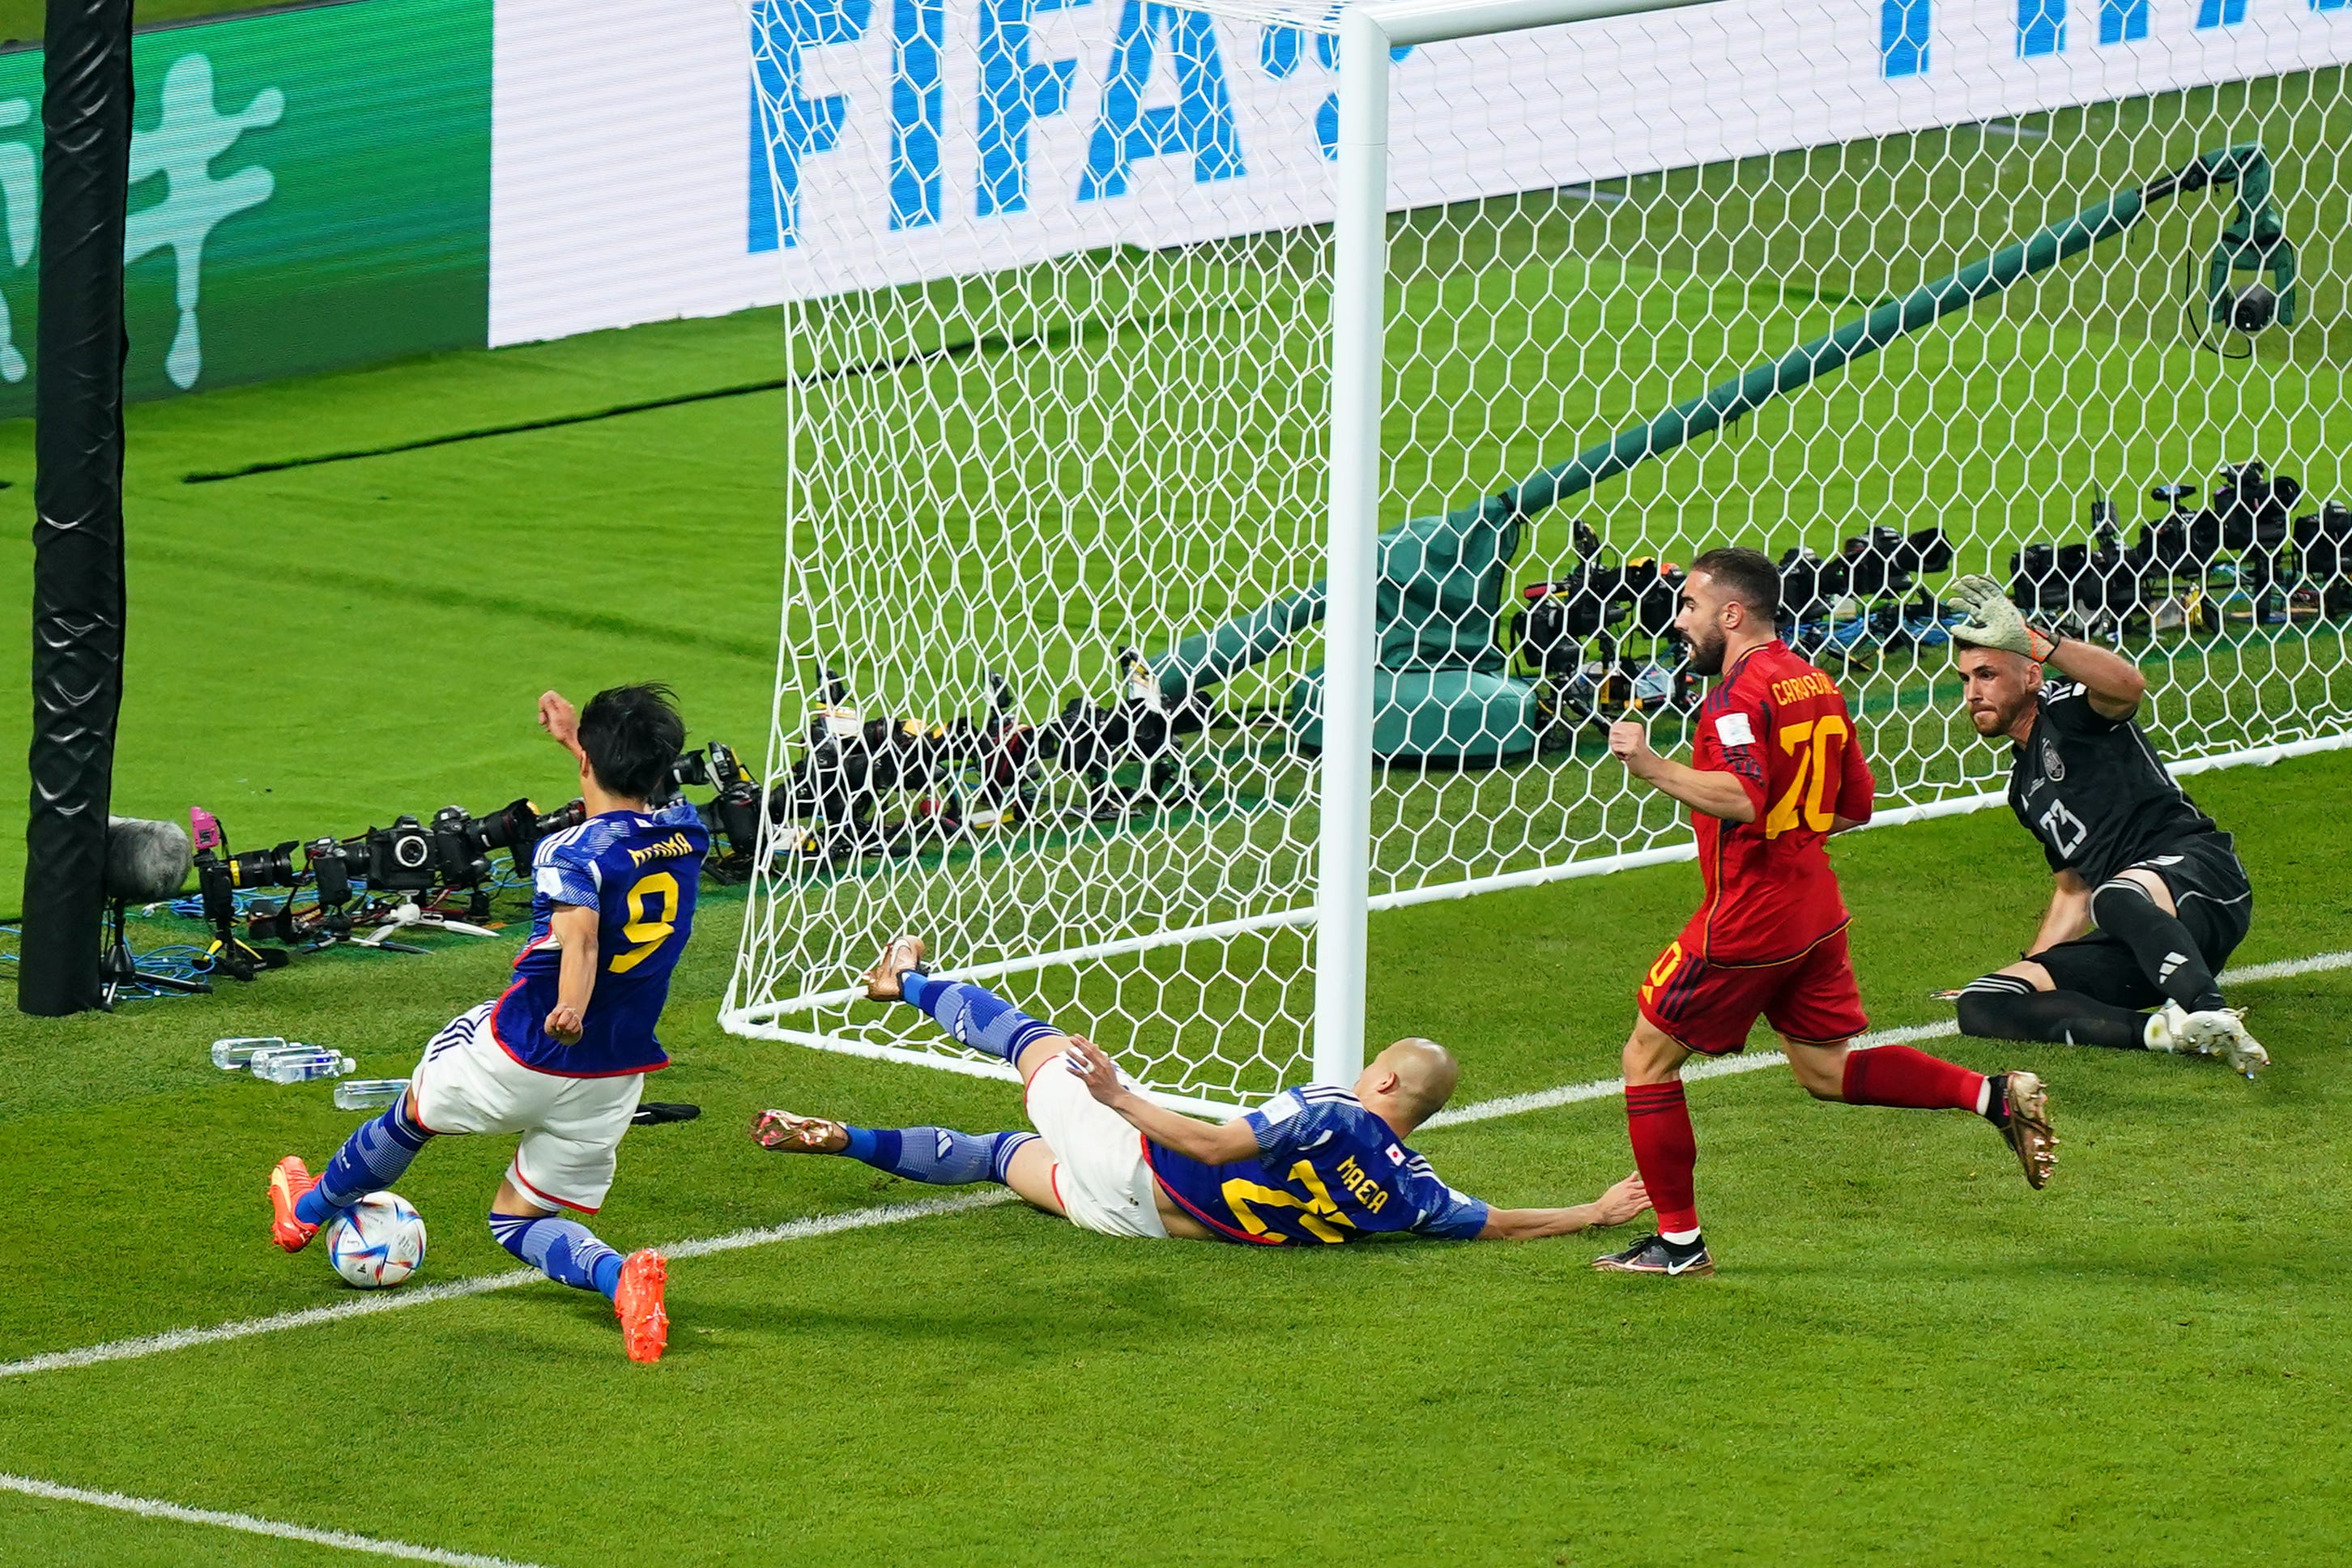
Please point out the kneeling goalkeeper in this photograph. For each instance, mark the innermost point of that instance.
(1317, 1165)
(2127, 847)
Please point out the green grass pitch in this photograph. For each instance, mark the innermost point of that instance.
(1909, 1357)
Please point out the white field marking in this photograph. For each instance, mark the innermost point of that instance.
(393, 1301)
(892, 1214)
(1714, 1066)
(1724, 1066)
(149, 1508)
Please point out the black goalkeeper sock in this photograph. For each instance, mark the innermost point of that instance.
(2167, 953)
(2006, 1007)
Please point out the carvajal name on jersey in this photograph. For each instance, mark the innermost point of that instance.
(1798, 687)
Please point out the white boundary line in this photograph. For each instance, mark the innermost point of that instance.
(893, 1213)
(1726, 1066)
(758, 1020)
(361, 1306)
(1716, 1066)
(149, 1508)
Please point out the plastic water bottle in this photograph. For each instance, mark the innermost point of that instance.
(240, 1049)
(300, 1064)
(368, 1093)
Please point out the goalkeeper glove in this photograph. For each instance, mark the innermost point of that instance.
(1993, 622)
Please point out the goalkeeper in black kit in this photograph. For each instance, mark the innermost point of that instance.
(2150, 898)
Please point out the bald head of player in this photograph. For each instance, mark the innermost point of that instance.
(1727, 606)
(1998, 687)
(1407, 1084)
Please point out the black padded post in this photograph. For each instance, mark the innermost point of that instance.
(77, 584)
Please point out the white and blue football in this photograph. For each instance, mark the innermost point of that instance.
(377, 1242)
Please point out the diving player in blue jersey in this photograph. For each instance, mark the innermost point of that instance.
(1313, 1165)
(561, 1058)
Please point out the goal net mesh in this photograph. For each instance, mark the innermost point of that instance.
(1048, 692)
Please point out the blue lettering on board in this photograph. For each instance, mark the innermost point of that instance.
(1282, 50)
(2040, 27)
(1198, 124)
(786, 128)
(917, 107)
(1903, 37)
(1013, 92)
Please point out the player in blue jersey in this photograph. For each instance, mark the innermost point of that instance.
(1313, 1165)
(561, 1058)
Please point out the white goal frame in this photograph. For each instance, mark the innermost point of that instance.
(1341, 780)
(1359, 264)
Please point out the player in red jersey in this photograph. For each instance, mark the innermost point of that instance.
(1776, 769)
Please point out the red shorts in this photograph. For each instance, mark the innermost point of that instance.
(1710, 1007)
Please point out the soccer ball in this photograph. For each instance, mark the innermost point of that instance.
(377, 1242)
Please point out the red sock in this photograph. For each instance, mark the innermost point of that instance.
(1665, 1149)
(1897, 1075)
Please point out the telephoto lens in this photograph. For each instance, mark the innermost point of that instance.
(263, 867)
(689, 768)
(503, 828)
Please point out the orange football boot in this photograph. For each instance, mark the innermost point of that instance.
(288, 1183)
(644, 1325)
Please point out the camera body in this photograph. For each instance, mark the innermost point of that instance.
(2323, 545)
(848, 764)
(399, 858)
(1883, 561)
(1567, 613)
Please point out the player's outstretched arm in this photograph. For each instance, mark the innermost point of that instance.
(562, 721)
(1616, 1207)
(576, 933)
(2112, 682)
(1720, 796)
(1212, 1143)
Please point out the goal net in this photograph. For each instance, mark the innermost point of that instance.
(1974, 287)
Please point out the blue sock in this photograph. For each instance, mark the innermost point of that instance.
(563, 1250)
(975, 1015)
(939, 1155)
(370, 1159)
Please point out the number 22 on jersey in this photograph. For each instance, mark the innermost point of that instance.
(1819, 746)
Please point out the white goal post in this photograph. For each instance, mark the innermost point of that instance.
(1189, 402)
(1359, 337)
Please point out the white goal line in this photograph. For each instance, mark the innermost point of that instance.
(893, 1213)
(151, 1507)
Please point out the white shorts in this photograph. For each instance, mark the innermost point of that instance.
(1100, 1175)
(571, 1127)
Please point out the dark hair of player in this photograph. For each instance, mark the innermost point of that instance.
(632, 735)
(1745, 576)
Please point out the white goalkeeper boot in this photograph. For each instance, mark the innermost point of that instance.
(2222, 1032)
(2166, 1030)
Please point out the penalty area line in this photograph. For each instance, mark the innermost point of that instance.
(893, 1213)
(151, 1507)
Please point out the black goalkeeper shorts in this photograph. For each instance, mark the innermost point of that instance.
(2213, 899)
